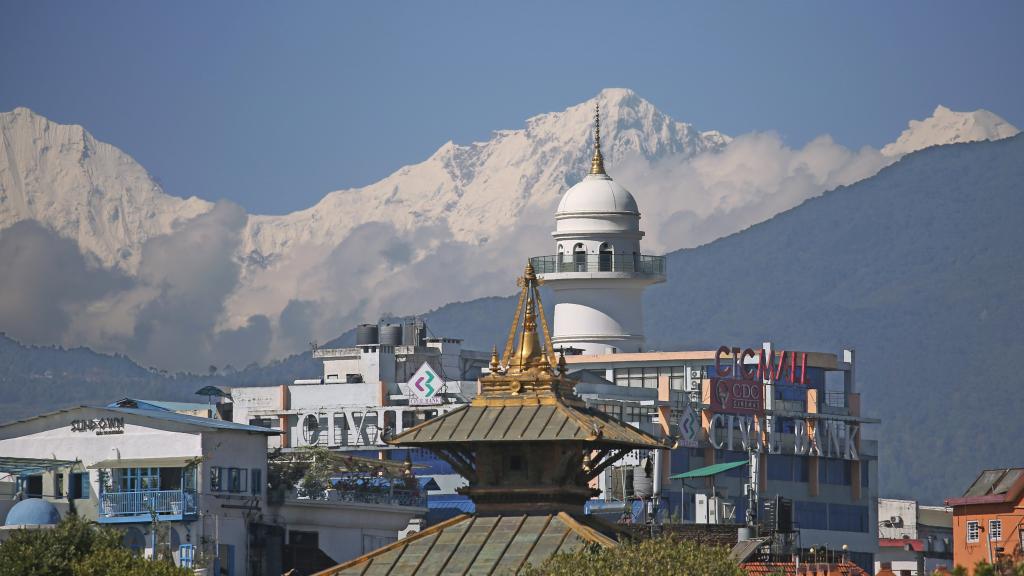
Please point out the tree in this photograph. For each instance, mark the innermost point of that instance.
(75, 547)
(663, 556)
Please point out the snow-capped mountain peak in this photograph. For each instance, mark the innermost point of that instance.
(946, 126)
(83, 189)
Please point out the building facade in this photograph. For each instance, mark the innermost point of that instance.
(202, 479)
(988, 519)
(913, 539)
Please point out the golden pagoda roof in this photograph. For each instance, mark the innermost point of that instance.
(527, 397)
(479, 545)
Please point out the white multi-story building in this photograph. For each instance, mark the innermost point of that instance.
(913, 539)
(202, 479)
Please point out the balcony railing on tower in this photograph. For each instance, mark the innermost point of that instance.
(606, 262)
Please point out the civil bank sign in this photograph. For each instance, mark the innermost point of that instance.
(737, 407)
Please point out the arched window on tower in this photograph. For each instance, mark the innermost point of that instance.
(579, 257)
(561, 265)
(604, 261)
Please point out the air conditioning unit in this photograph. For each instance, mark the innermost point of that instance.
(714, 510)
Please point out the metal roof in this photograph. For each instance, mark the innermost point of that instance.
(525, 423)
(194, 420)
(710, 470)
(992, 487)
(477, 545)
(160, 405)
(20, 466)
(179, 462)
(209, 423)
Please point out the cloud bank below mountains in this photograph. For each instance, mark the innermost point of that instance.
(189, 306)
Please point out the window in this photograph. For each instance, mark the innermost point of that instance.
(58, 485)
(973, 531)
(257, 481)
(995, 530)
(605, 258)
(236, 479)
(811, 515)
(136, 479)
(579, 256)
(79, 486)
(215, 478)
(847, 518)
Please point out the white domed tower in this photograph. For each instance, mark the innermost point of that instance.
(598, 273)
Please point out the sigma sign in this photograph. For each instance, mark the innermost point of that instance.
(425, 385)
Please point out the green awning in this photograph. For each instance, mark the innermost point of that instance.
(710, 470)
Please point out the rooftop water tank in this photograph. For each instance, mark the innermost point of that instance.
(367, 334)
(391, 335)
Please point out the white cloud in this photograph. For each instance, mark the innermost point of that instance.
(689, 202)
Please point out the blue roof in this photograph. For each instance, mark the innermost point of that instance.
(162, 405)
(33, 512)
(211, 423)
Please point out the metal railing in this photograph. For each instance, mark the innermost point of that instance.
(176, 502)
(392, 498)
(636, 263)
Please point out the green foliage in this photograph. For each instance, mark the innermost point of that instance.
(1002, 567)
(76, 547)
(654, 557)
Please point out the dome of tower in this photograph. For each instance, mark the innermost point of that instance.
(597, 193)
(33, 512)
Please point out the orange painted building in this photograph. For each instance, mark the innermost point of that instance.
(988, 519)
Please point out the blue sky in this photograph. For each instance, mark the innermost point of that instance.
(272, 105)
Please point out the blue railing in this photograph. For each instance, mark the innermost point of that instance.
(634, 263)
(142, 503)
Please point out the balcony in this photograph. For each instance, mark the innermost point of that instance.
(139, 506)
(622, 263)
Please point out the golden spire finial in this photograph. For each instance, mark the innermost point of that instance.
(597, 162)
(495, 364)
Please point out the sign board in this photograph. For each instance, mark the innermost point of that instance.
(102, 426)
(689, 427)
(425, 385)
(737, 396)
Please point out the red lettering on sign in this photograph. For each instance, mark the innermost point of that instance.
(719, 369)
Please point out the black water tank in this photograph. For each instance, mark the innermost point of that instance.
(391, 335)
(367, 334)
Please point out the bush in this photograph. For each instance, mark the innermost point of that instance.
(76, 547)
(655, 557)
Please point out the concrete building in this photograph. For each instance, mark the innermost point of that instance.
(988, 519)
(366, 393)
(913, 539)
(203, 479)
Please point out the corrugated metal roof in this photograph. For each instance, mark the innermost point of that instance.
(193, 420)
(209, 423)
(160, 404)
(477, 545)
(529, 423)
(994, 482)
(14, 466)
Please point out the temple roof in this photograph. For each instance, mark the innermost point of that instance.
(527, 396)
(479, 545)
(517, 423)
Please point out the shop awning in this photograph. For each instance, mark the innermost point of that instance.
(173, 462)
(21, 466)
(710, 470)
